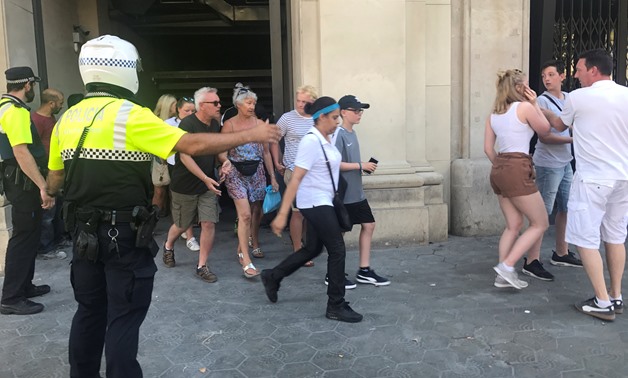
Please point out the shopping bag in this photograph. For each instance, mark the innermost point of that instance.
(271, 201)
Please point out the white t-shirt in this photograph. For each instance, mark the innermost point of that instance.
(512, 135)
(599, 115)
(174, 121)
(552, 155)
(293, 127)
(316, 187)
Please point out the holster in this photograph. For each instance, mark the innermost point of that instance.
(69, 216)
(87, 237)
(145, 222)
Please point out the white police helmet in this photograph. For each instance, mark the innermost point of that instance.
(110, 60)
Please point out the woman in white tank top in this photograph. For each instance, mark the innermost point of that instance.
(513, 121)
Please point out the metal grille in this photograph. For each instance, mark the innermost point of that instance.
(581, 25)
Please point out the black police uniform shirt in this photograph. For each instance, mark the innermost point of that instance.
(182, 180)
(113, 169)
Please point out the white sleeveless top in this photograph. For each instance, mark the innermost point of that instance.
(512, 134)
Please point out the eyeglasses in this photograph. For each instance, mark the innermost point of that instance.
(356, 111)
(216, 103)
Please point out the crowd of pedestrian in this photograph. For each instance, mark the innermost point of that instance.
(113, 166)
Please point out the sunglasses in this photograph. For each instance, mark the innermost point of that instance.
(216, 103)
(187, 99)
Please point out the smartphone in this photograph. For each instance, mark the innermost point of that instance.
(371, 160)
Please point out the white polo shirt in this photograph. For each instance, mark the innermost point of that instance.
(599, 115)
(316, 187)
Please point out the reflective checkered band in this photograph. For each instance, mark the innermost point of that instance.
(20, 81)
(108, 62)
(104, 154)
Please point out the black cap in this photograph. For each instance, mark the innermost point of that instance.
(18, 75)
(351, 102)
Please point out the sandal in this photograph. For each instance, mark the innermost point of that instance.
(257, 253)
(309, 264)
(250, 242)
(248, 268)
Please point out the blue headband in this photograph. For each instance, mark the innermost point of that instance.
(326, 110)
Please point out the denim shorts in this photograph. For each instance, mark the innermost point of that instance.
(554, 185)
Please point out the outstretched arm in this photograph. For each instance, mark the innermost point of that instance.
(213, 143)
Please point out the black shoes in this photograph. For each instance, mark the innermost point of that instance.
(36, 291)
(619, 305)
(590, 307)
(535, 269)
(343, 313)
(23, 307)
(569, 259)
(270, 285)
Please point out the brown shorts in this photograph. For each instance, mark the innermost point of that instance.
(513, 175)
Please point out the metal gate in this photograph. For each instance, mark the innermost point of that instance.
(562, 29)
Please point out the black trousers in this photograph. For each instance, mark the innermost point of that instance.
(113, 295)
(322, 230)
(26, 213)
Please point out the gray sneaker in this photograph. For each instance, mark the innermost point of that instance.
(500, 282)
(205, 274)
(511, 277)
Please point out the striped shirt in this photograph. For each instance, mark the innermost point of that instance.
(293, 127)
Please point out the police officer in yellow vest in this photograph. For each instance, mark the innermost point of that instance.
(107, 187)
(23, 164)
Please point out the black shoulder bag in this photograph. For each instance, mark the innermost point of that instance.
(341, 211)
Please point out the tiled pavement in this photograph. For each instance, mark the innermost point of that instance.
(440, 317)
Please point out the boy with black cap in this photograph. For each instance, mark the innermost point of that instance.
(24, 185)
(351, 167)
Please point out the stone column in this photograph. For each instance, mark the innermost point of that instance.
(488, 36)
(388, 53)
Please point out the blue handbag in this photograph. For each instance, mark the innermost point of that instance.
(272, 200)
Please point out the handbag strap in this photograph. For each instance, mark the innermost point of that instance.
(552, 101)
(327, 162)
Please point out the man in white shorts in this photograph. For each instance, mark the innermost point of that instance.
(598, 201)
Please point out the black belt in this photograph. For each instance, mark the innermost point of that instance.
(117, 216)
(113, 216)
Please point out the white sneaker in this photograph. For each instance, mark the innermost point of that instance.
(53, 255)
(192, 244)
(511, 277)
(184, 236)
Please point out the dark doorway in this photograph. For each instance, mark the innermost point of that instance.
(188, 44)
(562, 29)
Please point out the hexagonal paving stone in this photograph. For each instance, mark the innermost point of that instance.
(262, 366)
(374, 366)
(330, 360)
(223, 359)
(301, 370)
(295, 352)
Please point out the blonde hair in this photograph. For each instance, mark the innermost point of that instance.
(164, 105)
(507, 93)
(308, 90)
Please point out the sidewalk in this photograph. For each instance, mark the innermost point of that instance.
(440, 317)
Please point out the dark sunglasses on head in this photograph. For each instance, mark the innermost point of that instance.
(187, 99)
